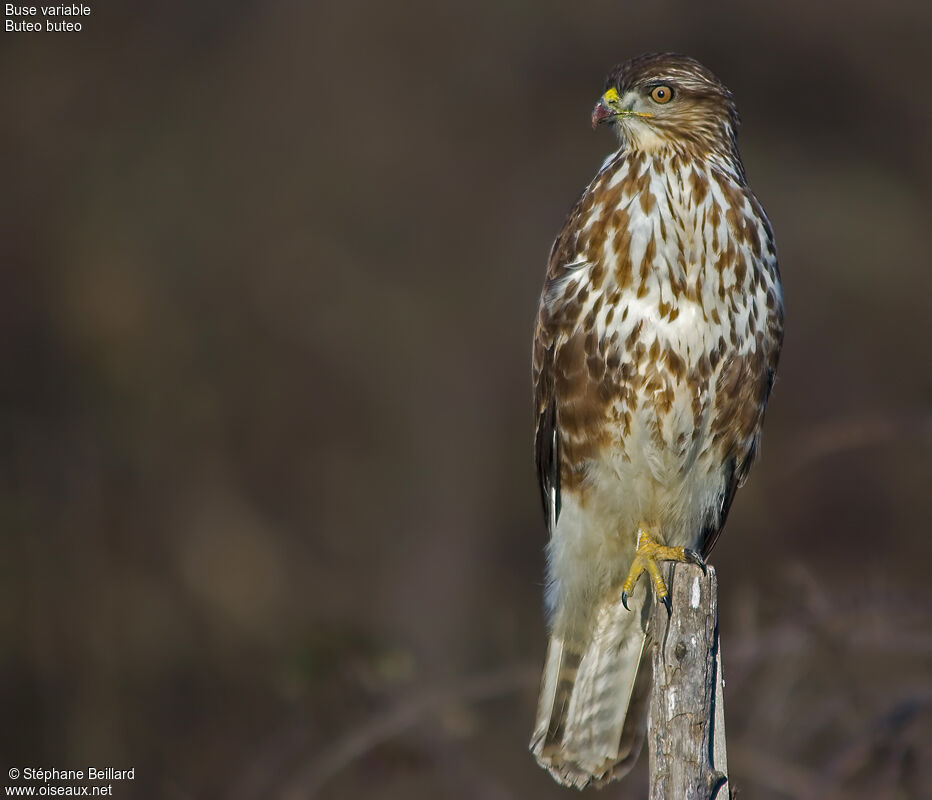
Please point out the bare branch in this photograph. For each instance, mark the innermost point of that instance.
(403, 716)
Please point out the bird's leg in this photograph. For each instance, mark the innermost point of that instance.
(646, 556)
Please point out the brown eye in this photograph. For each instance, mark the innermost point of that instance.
(661, 94)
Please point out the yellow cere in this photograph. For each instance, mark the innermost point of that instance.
(611, 96)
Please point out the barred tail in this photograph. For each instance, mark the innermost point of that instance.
(592, 713)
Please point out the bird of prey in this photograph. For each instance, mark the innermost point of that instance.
(656, 344)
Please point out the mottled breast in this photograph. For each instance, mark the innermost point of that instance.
(661, 318)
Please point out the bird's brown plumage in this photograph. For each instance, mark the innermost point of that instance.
(656, 343)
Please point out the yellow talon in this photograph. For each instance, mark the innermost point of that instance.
(646, 556)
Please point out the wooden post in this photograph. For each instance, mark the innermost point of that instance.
(686, 735)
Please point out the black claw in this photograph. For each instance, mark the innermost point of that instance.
(668, 604)
(695, 558)
(624, 600)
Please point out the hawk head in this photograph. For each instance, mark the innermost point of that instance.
(666, 101)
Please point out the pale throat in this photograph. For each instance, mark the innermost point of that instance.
(643, 138)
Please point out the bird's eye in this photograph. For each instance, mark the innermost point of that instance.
(661, 94)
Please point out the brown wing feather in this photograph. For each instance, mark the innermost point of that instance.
(742, 391)
(547, 443)
(547, 450)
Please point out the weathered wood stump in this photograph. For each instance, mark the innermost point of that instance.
(686, 735)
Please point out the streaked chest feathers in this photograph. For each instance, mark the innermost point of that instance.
(662, 299)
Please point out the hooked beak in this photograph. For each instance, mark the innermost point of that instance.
(609, 107)
(606, 108)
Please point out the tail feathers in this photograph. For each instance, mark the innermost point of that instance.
(592, 715)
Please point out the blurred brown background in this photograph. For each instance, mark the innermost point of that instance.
(269, 271)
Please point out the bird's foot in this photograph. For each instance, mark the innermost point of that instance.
(646, 557)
